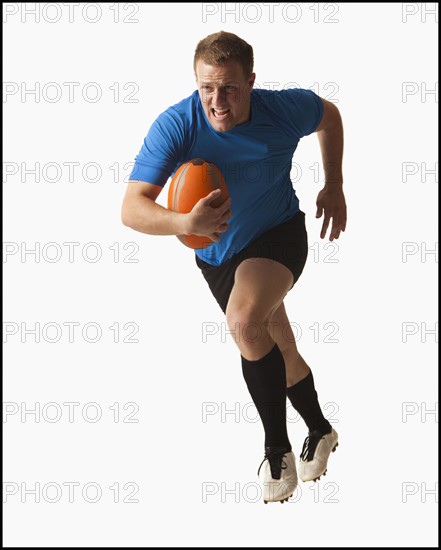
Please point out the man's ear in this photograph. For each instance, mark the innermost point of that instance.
(252, 80)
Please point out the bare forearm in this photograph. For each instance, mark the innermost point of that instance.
(331, 146)
(146, 216)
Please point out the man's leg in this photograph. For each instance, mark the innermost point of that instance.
(281, 331)
(260, 285)
(322, 439)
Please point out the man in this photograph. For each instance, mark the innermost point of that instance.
(259, 244)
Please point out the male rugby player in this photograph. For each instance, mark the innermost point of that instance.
(259, 238)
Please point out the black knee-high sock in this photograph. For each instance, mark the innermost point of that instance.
(266, 381)
(304, 399)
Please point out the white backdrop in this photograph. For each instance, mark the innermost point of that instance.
(126, 418)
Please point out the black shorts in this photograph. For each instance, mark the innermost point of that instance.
(286, 243)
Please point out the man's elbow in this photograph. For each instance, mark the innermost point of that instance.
(126, 219)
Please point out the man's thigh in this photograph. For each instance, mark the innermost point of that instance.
(260, 285)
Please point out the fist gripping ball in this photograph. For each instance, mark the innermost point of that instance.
(193, 181)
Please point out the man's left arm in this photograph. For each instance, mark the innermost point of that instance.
(331, 199)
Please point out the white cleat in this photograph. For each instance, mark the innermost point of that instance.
(279, 475)
(315, 453)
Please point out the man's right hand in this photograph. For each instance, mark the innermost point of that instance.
(207, 220)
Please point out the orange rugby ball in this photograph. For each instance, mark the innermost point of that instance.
(194, 180)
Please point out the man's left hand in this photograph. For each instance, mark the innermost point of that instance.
(331, 200)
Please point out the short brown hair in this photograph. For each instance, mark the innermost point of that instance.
(219, 48)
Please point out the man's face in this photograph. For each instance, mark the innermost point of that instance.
(225, 94)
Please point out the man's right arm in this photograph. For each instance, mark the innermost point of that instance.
(140, 212)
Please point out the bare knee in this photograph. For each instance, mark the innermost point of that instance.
(246, 315)
(248, 326)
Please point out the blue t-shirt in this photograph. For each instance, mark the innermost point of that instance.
(255, 159)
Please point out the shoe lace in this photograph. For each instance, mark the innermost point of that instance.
(276, 462)
(310, 445)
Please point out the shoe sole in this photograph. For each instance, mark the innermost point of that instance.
(281, 501)
(324, 473)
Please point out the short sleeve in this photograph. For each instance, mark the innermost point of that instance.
(160, 151)
(302, 110)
